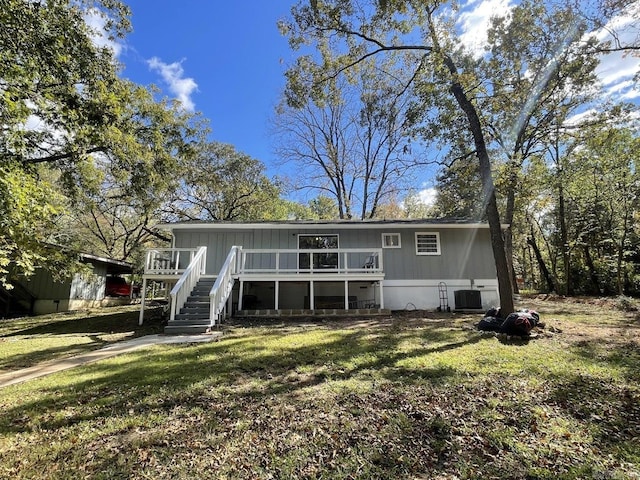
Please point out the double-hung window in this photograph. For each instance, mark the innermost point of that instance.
(427, 243)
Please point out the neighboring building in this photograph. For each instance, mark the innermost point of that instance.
(40, 293)
(301, 267)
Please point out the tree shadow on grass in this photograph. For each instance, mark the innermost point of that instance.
(610, 411)
(165, 376)
(621, 355)
(99, 330)
(105, 323)
(255, 395)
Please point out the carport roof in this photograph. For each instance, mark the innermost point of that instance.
(114, 267)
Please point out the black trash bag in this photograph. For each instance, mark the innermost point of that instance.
(493, 312)
(520, 323)
(490, 324)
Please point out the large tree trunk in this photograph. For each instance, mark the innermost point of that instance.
(508, 236)
(505, 289)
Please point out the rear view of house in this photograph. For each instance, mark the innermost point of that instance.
(303, 267)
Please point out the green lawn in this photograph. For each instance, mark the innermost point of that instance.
(27, 341)
(417, 396)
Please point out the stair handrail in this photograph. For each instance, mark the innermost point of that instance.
(223, 286)
(182, 289)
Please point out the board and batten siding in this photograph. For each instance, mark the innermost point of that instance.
(465, 252)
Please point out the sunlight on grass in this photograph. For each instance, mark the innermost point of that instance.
(396, 399)
(25, 342)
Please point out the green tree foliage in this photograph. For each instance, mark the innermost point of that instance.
(57, 85)
(30, 206)
(459, 191)
(598, 249)
(323, 208)
(64, 111)
(219, 183)
(603, 187)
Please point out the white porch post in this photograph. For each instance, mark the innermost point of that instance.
(381, 294)
(346, 294)
(277, 294)
(144, 294)
(240, 294)
(312, 302)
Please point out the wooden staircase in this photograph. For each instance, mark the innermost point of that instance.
(193, 317)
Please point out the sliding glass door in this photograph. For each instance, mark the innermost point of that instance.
(319, 260)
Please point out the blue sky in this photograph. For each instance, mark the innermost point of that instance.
(226, 58)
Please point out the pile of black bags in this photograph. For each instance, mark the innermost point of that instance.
(517, 323)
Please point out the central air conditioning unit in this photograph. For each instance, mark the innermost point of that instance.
(468, 299)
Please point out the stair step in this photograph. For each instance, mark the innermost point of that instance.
(197, 306)
(191, 321)
(185, 329)
(198, 302)
(192, 316)
(195, 311)
(197, 298)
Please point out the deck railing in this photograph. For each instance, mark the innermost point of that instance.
(335, 260)
(188, 280)
(168, 261)
(224, 284)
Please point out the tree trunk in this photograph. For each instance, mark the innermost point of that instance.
(593, 275)
(508, 235)
(505, 289)
(544, 271)
(564, 240)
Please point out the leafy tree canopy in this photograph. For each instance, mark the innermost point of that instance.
(71, 130)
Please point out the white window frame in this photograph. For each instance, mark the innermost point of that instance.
(300, 235)
(386, 235)
(436, 235)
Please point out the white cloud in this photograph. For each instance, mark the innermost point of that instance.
(616, 70)
(97, 22)
(581, 117)
(173, 76)
(428, 196)
(474, 19)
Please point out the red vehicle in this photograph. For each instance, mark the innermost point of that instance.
(118, 287)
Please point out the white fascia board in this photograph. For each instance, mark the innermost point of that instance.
(319, 226)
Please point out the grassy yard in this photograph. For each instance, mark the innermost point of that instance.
(27, 341)
(417, 396)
